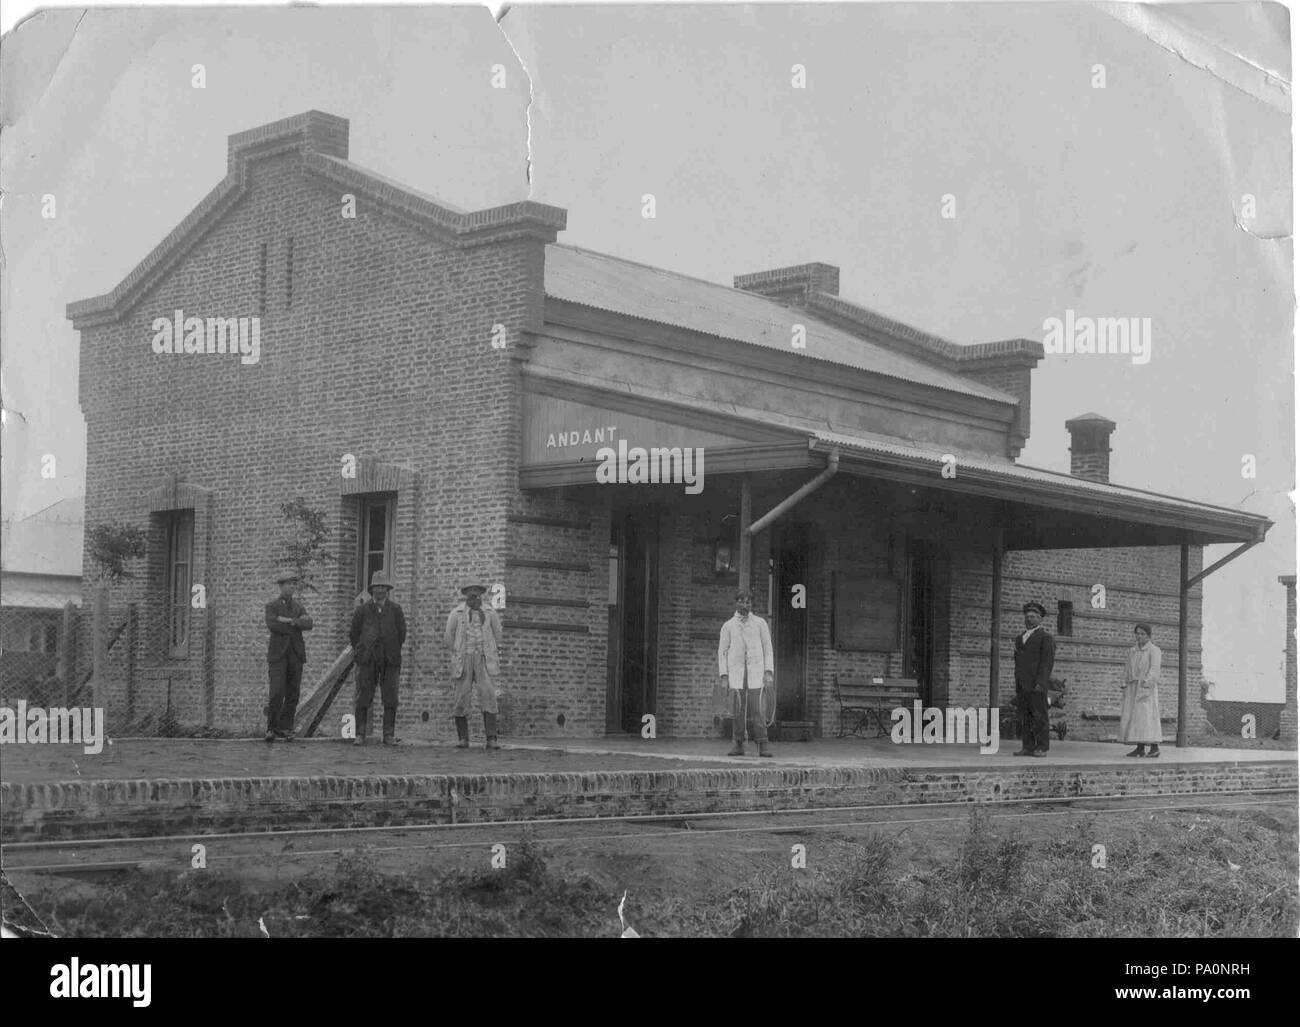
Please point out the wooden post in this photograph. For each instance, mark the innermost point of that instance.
(746, 517)
(1180, 739)
(99, 647)
(995, 625)
(68, 651)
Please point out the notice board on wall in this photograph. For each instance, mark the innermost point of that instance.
(865, 612)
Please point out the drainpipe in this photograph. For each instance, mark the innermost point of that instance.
(804, 490)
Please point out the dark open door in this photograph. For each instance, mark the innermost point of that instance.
(790, 621)
(919, 650)
(634, 620)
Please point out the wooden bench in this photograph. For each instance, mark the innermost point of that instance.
(1057, 719)
(872, 698)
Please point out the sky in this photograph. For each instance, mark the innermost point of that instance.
(1122, 200)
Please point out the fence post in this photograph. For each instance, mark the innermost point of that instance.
(99, 646)
(132, 638)
(68, 651)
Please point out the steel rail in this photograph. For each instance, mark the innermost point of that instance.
(660, 817)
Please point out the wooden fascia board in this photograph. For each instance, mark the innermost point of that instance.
(738, 460)
(661, 410)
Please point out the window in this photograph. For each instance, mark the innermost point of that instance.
(376, 550)
(177, 576)
(1065, 617)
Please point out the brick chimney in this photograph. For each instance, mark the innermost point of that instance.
(312, 130)
(1090, 446)
(792, 284)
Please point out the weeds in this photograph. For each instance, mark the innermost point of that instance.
(1208, 874)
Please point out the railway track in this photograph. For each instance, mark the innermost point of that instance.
(109, 855)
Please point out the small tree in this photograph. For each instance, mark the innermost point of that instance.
(111, 546)
(304, 547)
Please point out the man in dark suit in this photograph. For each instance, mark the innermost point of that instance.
(285, 654)
(1035, 654)
(377, 635)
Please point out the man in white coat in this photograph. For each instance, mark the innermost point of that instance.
(473, 637)
(745, 664)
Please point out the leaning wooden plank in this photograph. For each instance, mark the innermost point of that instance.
(312, 710)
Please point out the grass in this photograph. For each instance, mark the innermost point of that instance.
(1204, 874)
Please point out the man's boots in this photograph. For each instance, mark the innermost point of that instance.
(390, 725)
(362, 726)
(462, 732)
(490, 729)
(763, 749)
(738, 749)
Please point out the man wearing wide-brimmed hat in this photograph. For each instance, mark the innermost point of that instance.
(377, 635)
(474, 638)
(1035, 653)
(286, 652)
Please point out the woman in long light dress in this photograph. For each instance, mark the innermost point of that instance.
(1139, 718)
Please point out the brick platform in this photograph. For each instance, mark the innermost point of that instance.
(136, 790)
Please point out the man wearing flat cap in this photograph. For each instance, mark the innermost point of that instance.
(1035, 655)
(745, 663)
(473, 638)
(286, 652)
(377, 635)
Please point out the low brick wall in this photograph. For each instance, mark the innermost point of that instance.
(105, 809)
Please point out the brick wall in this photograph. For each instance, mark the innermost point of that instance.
(385, 353)
(553, 666)
(1141, 585)
(106, 809)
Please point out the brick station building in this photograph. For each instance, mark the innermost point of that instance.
(474, 368)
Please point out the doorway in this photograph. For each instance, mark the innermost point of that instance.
(919, 653)
(789, 609)
(631, 686)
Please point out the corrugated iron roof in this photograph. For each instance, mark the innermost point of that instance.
(652, 294)
(47, 542)
(888, 446)
(37, 593)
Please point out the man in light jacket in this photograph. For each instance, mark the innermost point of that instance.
(474, 638)
(745, 663)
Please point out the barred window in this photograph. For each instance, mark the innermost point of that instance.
(1064, 617)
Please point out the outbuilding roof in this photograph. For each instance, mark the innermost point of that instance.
(619, 286)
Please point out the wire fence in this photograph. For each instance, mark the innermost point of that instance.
(147, 665)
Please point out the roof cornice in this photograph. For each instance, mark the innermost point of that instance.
(931, 348)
